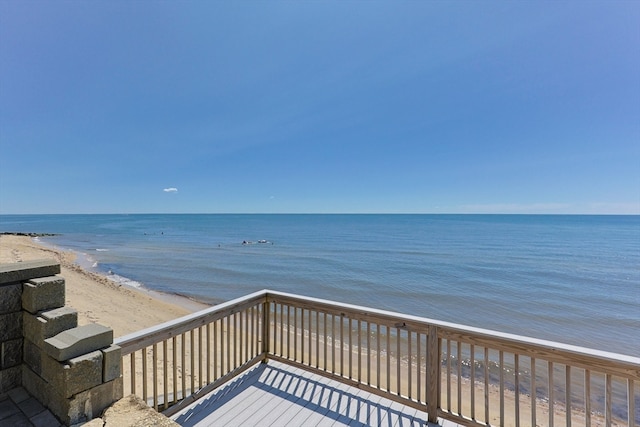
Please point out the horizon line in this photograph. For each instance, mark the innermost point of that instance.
(327, 213)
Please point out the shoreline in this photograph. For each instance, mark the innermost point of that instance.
(96, 297)
(184, 301)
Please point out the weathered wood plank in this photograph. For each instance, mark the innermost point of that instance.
(278, 394)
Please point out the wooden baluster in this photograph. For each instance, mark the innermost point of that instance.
(388, 329)
(486, 386)
(631, 402)
(410, 365)
(369, 353)
(165, 372)
(378, 380)
(133, 372)
(472, 361)
(208, 353)
(325, 341)
(144, 375)
(174, 349)
(607, 410)
(419, 366)
(341, 321)
(317, 339)
(501, 362)
(567, 399)
(281, 330)
(459, 372)
(449, 374)
(398, 373)
(216, 349)
(295, 333)
(533, 392)
(200, 358)
(228, 323)
(516, 373)
(551, 393)
(350, 349)
(587, 397)
(359, 367)
(155, 375)
(184, 365)
(192, 365)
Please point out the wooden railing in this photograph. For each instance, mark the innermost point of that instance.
(467, 375)
(177, 362)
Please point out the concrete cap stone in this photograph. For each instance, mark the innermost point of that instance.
(59, 312)
(77, 341)
(46, 324)
(20, 271)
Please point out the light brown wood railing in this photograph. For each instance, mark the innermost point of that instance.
(467, 375)
(177, 362)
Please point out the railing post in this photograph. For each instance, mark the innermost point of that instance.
(266, 314)
(433, 374)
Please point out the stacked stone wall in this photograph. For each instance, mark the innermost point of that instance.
(75, 371)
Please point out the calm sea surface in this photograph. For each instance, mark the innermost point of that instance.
(574, 279)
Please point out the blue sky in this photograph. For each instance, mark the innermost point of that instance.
(368, 106)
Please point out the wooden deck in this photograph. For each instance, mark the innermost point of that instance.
(276, 394)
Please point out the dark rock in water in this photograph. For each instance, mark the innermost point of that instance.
(12, 233)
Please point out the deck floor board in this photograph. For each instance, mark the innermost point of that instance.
(276, 394)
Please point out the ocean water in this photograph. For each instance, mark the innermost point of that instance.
(572, 279)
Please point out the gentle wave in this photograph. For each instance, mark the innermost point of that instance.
(121, 280)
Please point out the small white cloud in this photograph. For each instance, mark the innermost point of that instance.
(170, 190)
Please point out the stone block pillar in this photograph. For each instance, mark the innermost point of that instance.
(12, 277)
(75, 371)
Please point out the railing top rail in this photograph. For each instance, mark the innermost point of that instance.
(522, 342)
(140, 339)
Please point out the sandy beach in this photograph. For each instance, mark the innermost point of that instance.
(96, 298)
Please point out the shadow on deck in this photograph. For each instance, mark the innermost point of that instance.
(276, 394)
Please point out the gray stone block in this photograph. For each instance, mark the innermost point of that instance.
(32, 356)
(10, 326)
(11, 353)
(112, 363)
(36, 386)
(10, 378)
(103, 396)
(10, 298)
(77, 341)
(21, 271)
(78, 374)
(87, 405)
(46, 324)
(43, 294)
